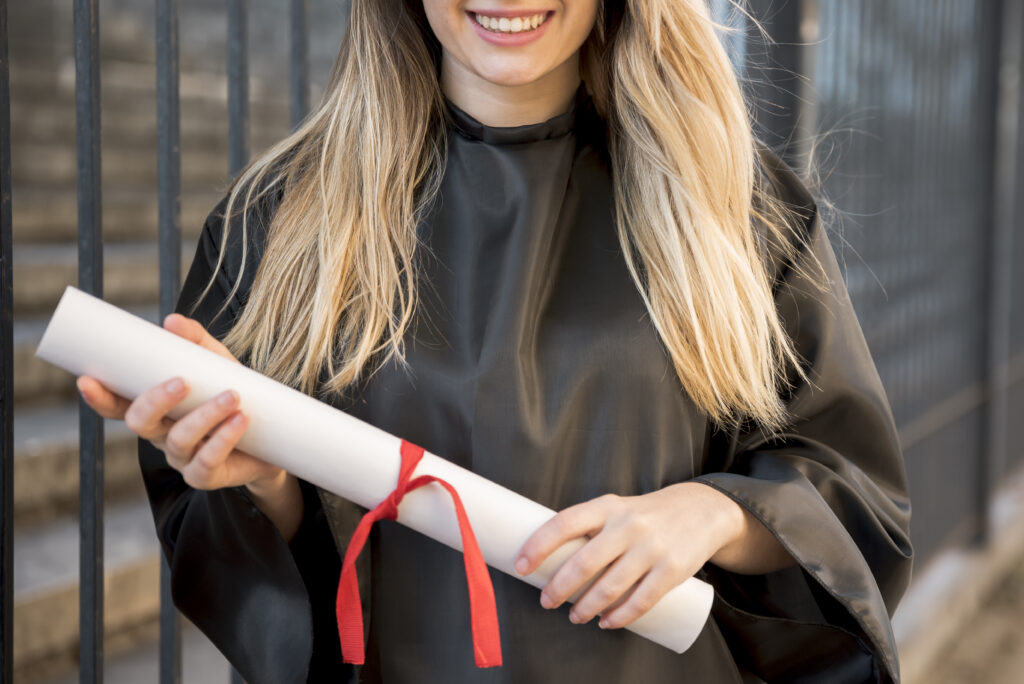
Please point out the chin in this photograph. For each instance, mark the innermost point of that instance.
(508, 75)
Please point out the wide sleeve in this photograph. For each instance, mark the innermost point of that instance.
(831, 488)
(266, 604)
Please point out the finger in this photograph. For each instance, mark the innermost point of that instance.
(648, 592)
(100, 399)
(184, 436)
(611, 587)
(193, 331)
(584, 565)
(206, 468)
(583, 519)
(146, 415)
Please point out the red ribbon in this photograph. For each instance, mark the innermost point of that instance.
(483, 612)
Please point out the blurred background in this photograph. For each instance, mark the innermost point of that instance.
(904, 115)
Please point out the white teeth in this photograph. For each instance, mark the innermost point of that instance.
(506, 25)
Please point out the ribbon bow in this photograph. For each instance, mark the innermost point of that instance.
(483, 612)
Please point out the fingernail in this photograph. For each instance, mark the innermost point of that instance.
(573, 617)
(521, 565)
(227, 398)
(238, 419)
(175, 386)
(603, 624)
(545, 601)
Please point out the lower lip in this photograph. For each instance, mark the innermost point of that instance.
(521, 38)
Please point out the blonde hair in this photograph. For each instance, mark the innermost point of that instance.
(335, 290)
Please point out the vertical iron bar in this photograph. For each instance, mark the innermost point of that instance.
(1004, 23)
(90, 279)
(299, 85)
(776, 87)
(238, 109)
(168, 117)
(6, 371)
(991, 28)
(238, 86)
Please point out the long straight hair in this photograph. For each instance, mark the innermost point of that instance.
(335, 290)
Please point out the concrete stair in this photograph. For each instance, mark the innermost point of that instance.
(46, 583)
(130, 273)
(44, 204)
(47, 216)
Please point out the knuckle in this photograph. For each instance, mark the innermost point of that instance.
(205, 460)
(643, 603)
(133, 419)
(172, 461)
(187, 474)
(558, 587)
(560, 524)
(605, 592)
(177, 443)
(657, 549)
(639, 526)
(675, 567)
(195, 477)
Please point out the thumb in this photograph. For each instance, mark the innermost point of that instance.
(193, 331)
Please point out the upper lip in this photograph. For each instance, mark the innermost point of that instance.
(508, 13)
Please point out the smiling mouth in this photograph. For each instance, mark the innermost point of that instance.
(521, 24)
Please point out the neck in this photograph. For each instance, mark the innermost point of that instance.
(498, 105)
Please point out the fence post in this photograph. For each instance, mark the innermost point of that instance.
(238, 85)
(238, 110)
(1003, 23)
(772, 71)
(168, 117)
(90, 279)
(299, 85)
(6, 371)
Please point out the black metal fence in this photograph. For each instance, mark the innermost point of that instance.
(915, 107)
(923, 102)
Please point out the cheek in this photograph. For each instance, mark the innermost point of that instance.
(581, 14)
(442, 16)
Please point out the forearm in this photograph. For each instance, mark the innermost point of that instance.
(753, 549)
(281, 501)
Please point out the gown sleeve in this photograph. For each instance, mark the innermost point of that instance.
(266, 604)
(831, 488)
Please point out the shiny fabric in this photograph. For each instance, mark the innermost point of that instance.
(534, 363)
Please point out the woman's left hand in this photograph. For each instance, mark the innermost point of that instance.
(653, 541)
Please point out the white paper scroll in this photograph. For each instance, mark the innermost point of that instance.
(330, 448)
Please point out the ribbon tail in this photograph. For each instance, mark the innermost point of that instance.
(348, 606)
(482, 605)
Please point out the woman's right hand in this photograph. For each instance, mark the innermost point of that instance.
(200, 444)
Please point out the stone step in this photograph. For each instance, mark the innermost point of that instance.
(46, 29)
(139, 661)
(47, 214)
(46, 584)
(130, 273)
(55, 165)
(46, 460)
(36, 381)
(130, 123)
(133, 81)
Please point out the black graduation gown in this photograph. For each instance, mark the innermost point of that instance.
(534, 363)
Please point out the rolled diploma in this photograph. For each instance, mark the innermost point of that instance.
(330, 448)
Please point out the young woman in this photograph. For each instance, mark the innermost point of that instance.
(538, 238)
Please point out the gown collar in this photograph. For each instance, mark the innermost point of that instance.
(555, 127)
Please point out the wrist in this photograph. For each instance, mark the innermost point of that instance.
(731, 524)
(263, 487)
